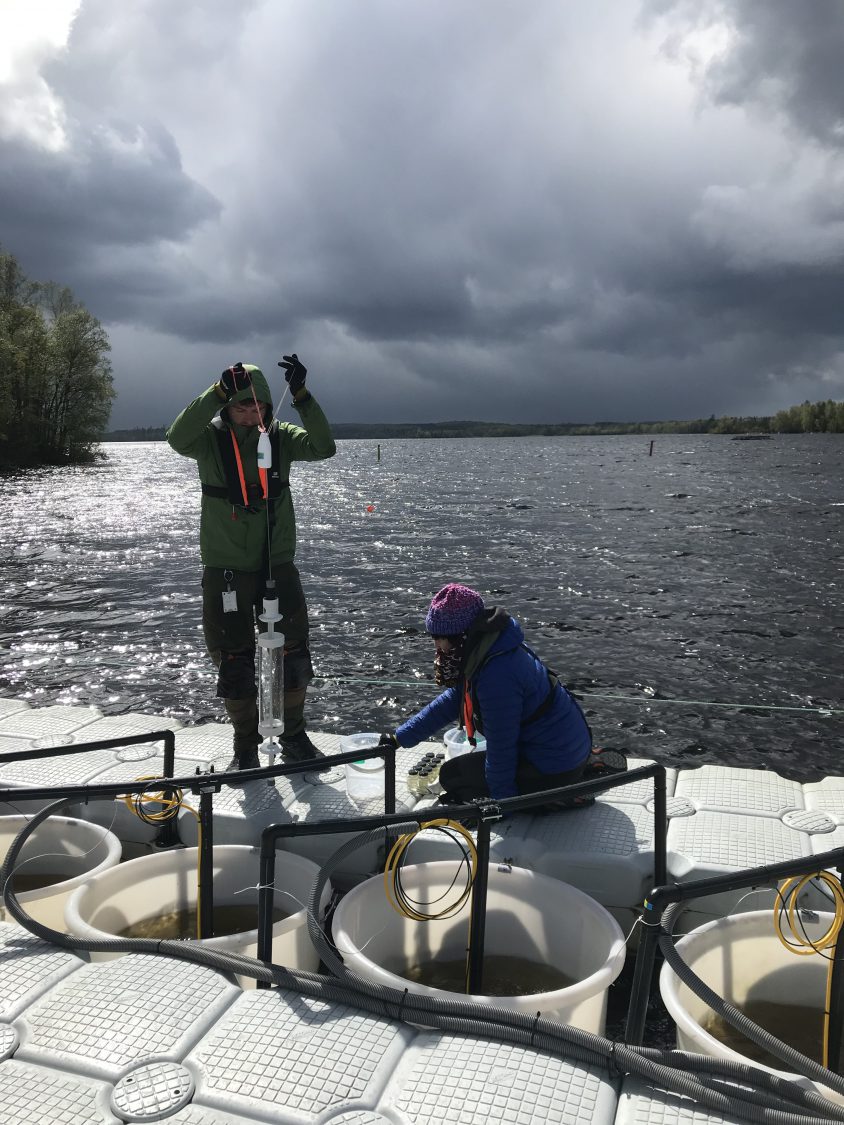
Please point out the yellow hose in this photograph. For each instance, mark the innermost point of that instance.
(800, 945)
(396, 860)
(170, 802)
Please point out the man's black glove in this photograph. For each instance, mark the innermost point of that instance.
(294, 372)
(235, 378)
(390, 740)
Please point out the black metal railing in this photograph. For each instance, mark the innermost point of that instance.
(202, 783)
(663, 895)
(481, 814)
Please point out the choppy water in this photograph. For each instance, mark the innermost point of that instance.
(709, 572)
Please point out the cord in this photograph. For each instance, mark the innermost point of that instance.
(786, 909)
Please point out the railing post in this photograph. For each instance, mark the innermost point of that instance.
(390, 781)
(835, 1037)
(205, 890)
(477, 918)
(266, 895)
(168, 834)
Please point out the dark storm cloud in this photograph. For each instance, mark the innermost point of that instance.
(477, 210)
(119, 186)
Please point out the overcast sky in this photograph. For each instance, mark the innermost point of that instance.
(526, 210)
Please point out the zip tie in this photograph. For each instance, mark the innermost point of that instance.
(533, 1029)
(827, 712)
(400, 1015)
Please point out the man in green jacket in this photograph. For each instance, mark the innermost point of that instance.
(247, 531)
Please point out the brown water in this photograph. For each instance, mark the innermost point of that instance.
(181, 924)
(799, 1027)
(503, 976)
(35, 881)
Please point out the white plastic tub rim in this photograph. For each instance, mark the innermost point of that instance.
(154, 885)
(534, 916)
(456, 743)
(364, 779)
(62, 845)
(741, 958)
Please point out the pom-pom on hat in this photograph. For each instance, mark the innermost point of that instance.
(453, 610)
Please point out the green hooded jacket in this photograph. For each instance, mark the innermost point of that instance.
(235, 538)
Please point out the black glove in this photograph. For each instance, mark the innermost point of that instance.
(294, 372)
(235, 378)
(390, 740)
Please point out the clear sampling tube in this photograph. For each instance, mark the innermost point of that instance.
(270, 677)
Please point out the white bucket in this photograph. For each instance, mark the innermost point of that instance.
(742, 960)
(364, 780)
(544, 920)
(155, 885)
(75, 850)
(456, 742)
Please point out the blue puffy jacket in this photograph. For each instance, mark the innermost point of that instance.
(509, 687)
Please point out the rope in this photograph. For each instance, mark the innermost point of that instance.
(826, 712)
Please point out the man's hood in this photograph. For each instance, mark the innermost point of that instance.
(259, 384)
(262, 393)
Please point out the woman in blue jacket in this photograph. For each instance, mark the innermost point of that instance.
(536, 735)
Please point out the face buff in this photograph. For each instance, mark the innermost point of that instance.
(447, 665)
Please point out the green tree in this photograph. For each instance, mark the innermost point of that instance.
(56, 385)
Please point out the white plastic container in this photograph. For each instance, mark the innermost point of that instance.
(152, 886)
(456, 743)
(541, 919)
(73, 849)
(364, 780)
(742, 959)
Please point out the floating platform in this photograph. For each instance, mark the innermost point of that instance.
(147, 1038)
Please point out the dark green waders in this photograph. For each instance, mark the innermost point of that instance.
(230, 637)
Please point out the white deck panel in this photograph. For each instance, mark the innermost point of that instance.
(33, 1095)
(113, 1014)
(210, 742)
(294, 1059)
(641, 1104)
(826, 796)
(118, 726)
(29, 968)
(451, 1078)
(72, 769)
(749, 792)
(323, 796)
(11, 707)
(605, 849)
(47, 726)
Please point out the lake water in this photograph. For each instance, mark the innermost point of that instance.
(692, 598)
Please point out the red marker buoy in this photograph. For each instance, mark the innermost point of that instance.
(370, 507)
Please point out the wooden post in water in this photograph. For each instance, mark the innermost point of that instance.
(651, 450)
(379, 452)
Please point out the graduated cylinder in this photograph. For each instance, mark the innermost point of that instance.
(270, 674)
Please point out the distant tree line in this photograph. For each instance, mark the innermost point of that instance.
(810, 417)
(55, 377)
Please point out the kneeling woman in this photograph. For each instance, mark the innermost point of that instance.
(536, 735)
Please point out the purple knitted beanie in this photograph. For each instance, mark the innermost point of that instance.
(453, 610)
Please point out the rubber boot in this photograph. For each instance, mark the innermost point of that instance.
(295, 744)
(243, 714)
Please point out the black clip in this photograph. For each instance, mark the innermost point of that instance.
(533, 1029)
(612, 1062)
(488, 811)
(401, 1006)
